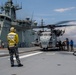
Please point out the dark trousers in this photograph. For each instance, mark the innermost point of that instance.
(71, 46)
(67, 47)
(14, 51)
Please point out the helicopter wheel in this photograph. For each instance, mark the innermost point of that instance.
(40, 45)
(45, 49)
(74, 53)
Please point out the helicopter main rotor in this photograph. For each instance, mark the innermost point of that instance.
(59, 24)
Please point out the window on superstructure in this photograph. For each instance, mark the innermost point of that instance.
(20, 23)
(2, 18)
(8, 19)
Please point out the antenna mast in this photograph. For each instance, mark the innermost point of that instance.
(42, 24)
(10, 9)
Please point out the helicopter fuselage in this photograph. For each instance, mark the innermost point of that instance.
(48, 40)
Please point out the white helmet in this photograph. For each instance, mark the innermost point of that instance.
(12, 29)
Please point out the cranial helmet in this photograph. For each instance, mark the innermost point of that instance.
(12, 29)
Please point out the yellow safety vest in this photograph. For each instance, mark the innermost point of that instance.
(12, 39)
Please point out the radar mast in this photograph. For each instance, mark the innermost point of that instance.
(10, 9)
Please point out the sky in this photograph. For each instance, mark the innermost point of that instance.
(51, 11)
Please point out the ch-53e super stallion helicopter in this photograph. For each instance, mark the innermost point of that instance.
(48, 39)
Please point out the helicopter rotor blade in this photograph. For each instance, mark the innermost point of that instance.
(39, 27)
(62, 22)
(53, 26)
(59, 24)
(64, 25)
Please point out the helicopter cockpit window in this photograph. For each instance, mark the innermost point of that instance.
(45, 35)
(41, 34)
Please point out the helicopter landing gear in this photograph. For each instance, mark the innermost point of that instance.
(74, 53)
(45, 49)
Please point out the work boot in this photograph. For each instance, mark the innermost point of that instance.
(20, 65)
(12, 65)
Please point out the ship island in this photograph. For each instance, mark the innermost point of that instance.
(23, 27)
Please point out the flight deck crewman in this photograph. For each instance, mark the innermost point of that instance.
(67, 43)
(13, 40)
(71, 45)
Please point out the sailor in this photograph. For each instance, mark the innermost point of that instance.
(60, 45)
(13, 40)
(71, 45)
(67, 44)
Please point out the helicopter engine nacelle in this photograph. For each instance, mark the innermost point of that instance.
(58, 32)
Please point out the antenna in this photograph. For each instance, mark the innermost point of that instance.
(21, 5)
(1, 7)
(42, 24)
(32, 18)
(16, 2)
(32, 15)
(17, 5)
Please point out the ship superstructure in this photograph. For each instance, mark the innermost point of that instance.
(23, 27)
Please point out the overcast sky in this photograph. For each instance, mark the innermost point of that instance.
(51, 11)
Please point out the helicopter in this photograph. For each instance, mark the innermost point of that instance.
(48, 39)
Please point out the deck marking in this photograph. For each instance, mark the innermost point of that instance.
(50, 53)
(28, 55)
(2, 53)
